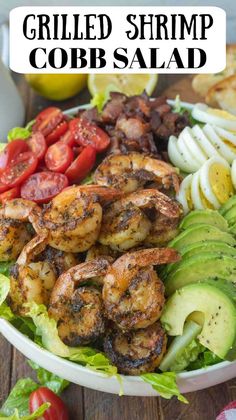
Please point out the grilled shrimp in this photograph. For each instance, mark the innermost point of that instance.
(133, 171)
(133, 294)
(14, 232)
(138, 351)
(77, 308)
(73, 218)
(127, 222)
(31, 281)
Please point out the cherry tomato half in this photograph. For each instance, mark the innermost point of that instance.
(37, 144)
(11, 151)
(47, 120)
(3, 187)
(68, 138)
(57, 409)
(82, 165)
(9, 195)
(86, 133)
(19, 169)
(41, 187)
(58, 131)
(58, 157)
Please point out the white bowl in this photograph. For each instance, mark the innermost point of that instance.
(133, 385)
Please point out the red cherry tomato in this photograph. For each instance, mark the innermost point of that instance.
(57, 409)
(77, 150)
(82, 165)
(68, 138)
(9, 195)
(41, 187)
(37, 144)
(58, 131)
(12, 150)
(58, 157)
(47, 120)
(86, 133)
(19, 169)
(3, 187)
(228, 412)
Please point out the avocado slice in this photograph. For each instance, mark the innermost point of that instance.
(201, 233)
(230, 216)
(200, 267)
(218, 331)
(228, 205)
(209, 217)
(188, 251)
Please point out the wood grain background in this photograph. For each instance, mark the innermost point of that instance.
(85, 404)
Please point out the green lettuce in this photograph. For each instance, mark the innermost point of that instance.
(5, 267)
(206, 358)
(48, 379)
(165, 384)
(101, 98)
(36, 415)
(188, 355)
(180, 109)
(22, 133)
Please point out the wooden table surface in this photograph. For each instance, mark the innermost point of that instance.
(86, 404)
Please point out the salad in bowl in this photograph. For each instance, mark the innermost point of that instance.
(118, 244)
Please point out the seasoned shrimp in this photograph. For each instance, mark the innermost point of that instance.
(138, 351)
(31, 281)
(133, 294)
(127, 222)
(132, 171)
(14, 232)
(73, 218)
(77, 308)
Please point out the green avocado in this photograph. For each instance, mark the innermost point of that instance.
(200, 267)
(218, 332)
(228, 205)
(230, 216)
(209, 217)
(201, 233)
(188, 251)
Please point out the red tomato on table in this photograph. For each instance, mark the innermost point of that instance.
(41, 187)
(82, 165)
(58, 157)
(86, 133)
(57, 409)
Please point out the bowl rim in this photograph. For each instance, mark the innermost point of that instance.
(181, 375)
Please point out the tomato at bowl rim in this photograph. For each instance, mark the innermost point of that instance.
(47, 120)
(57, 409)
(87, 133)
(41, 187)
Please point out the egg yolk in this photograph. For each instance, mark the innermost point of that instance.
(220, 180)
(230, 145)
(221, 113)
(205, 202)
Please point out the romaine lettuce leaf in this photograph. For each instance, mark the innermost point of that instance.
(48, 379)
(18, 133)
(207, 358)
(165, 384)
(36, 415)
(189, 354)
(19, 397)
(4, 288)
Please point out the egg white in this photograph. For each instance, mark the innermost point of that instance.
(184, 191)
(203, 113)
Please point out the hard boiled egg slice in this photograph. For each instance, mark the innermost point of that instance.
(195, 192)
(224, 150)
(227, 136)
(184, 194)
(218, 117)
(215, 181)
(192, 144)
(192, 160)
(202, 139)
(233, 173)
(176, 157)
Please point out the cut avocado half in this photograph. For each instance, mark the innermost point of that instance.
(201, 233)
(219, 326)
(228, 205)
(220, 248)
(200, 267)
(209, 217)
